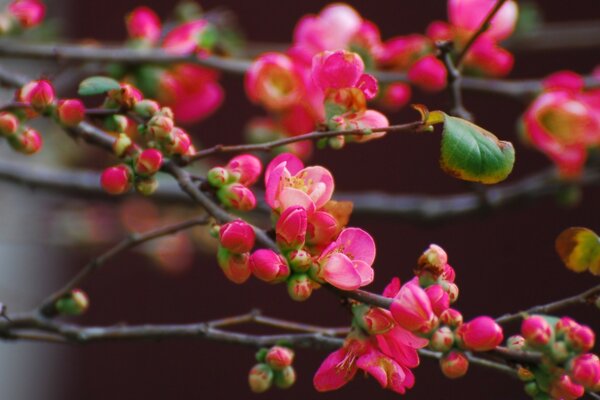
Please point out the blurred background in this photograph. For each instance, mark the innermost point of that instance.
(505, 260)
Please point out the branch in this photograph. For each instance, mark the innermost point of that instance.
(482, 28)
(583, 298)
(47, 307)
(454, 80)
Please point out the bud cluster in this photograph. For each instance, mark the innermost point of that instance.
(232, 182)
(567, 369)
(274, 368)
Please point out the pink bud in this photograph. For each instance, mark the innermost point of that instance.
(180, 142)
(439, 31)
(454, 365)
(452, 291)
(411, 308)
(300, 287)
(480, 334)
(246, 168)
(487, 58)
(160, 126)
(442, 339)
(581, 338)
(39, 94)
(564, 325)
(439, 299)
(237, 196)
(260, 378)
(279, 357)
(451, 317)
(564, 388)
(585, 370)
(127, 96)
(300, 260)
(143, 23)
(235, 266)
(8, 123)
(536, 331)
(428, 73)
(291, 228)
(70, 112)
(374, 320)
(237, 236)
(116, 180)
(149, 162)
(468, 15)
(269, 266)
(396, 95)
(402, 51)
(337, 69)
(28, 12)
(434, 256)
(27, 142)
(449, 275)
(564, 80)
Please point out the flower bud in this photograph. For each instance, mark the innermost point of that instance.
(273, 81)
(537, 331)
(373, 320)
(237, 196)
(70, 112)
(411, 308)
(532, 389)
(279, 357)
(117, 123)
(300, 287)
(180, 142)
(160, 126)
(143, 23)
(433, 259)
(585, 370)
(454, 364)
(39, 94)
(269, 266)
(515, 342)
(337, 69)
(217, 176)
(146, 186)
(563, 326)
(451, 317)
(235, 266)
(237, 236)
(29, 13)
(285, 378)
(439, 299)
(428, 73)
(148, 162)
(449, 275)
(126, 96)
(396, 95)
(565, 389)
(525, 374)
(442, 339)
(9, 123)
(122, 145)
(559, 352)
(146, 108)
(246, 168)
(291, 228)
(74, 303)
(27, 142)
(581, 338)
(452, 291)
(480, 334)
(300, 260)
(260, 378)
(116, 180)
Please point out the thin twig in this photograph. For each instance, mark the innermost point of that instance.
(453, 81)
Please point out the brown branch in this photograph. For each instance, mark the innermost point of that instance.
(454, 79)
(480, 31)
(582, 298)
(134, 239)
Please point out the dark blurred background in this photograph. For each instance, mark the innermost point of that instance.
(505, 261)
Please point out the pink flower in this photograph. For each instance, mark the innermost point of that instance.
(322, 229)
(439, 31)
(289, 184)
(291, 228)
(342, 69)
(237, 236)
(274, 81)
(269, 266)
(143, 23)
(246, 168)
(185, 38)
(480, 334)
(29, 13)
(429, 73)
(467, 15)
(564, 80)
(369, 119)
(346, 263)
(411, 308)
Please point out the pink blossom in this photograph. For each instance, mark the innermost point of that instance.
(369, 119)
(451, 317)
(342, 69)
(346, 263)
(246, 168)
(439, 31)
(467, 16)
(185, 38)
(411, 308)
(480, 334)
(322, 229)
(429, 73)
(29, 13)
(269, 266)
(288, 184)
(237, 236)
(564, 80)
(291, 228)
(143, 23)
(440, 301)
(401, 52)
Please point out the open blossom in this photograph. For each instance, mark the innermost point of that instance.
(411, 308)
(346, 263)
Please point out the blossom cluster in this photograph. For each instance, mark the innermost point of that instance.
(191, 91)
(32, 100)
(232, 182)
(567, 369)
(274, 368)
(564, 122)
(21, 14)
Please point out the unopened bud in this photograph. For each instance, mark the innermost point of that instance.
(8, 124)
(525, 374)
(160, 127)
(451, 317)
(515, 342)
(146, 186)
(27, 142)
(217, 176)
(237, 196)
(121, 145)
(564, 388)
(440, 301)
(291, 228)
(585, 370)
(260, 378)
(180, 142)
(245, 168)
(148, 162)
(116, 180)
(337, 142)
(300, 287)
(237, 236)
(127, 96)
(373, 320)
(279, 357)
(29, 13)
(39, 94)
(74, 303)
(537, 331)
(454, 365)
(581, 338)
(285, 378)
(70, 112)
(146, 108)
(442, 339)
(532, 389)
(269, 266)
(480, 334)
(300, 260)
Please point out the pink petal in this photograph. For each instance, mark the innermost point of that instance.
(368, 84)
(365, 271)
(340, 272)
(290, 197)
(337, 70)
(386, 371)
(357, 244)
(330, 376)
(273, 183)
(320, 184)
(392, 289)
(291, 162)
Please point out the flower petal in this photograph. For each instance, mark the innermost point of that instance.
(330, 376)
(357, 244)
(340, 272)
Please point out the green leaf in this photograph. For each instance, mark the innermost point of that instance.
(97, 85)
(579, 249)
(471, 153)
